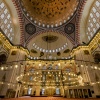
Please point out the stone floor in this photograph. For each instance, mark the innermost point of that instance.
(49, 98)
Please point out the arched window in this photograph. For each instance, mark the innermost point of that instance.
(97, 57)
(57, 91)
(93, 21)
(43, 91)
(31, 78)
(49, 67)
(6, 22)
(56, 67)
(44, 67)
(68, 70)
(31, 70)
(3, 58)
(29, 90)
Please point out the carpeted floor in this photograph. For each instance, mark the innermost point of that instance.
(49, 98)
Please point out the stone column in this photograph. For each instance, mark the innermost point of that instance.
(73, 93)
(83, 93)
(68, 93)
(14, 70)
(38, 91)
(62, 91)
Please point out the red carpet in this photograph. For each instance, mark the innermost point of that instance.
(49, 98)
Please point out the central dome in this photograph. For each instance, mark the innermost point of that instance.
(50, 12)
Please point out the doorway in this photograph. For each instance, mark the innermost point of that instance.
(50, 91)
(57, 91)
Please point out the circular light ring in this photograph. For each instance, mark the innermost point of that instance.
(35, 58)
(53, 51)
(19, 78)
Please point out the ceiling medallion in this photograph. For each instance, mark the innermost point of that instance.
(30, 29)
(69, 28)
(49, 13)
(50, 38)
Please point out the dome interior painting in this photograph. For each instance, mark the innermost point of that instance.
(50, 13)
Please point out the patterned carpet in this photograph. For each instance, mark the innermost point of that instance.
(49, 98)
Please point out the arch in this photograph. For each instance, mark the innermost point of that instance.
(73, 69)
(30, 69)
(44, 67)
(84, 20)
(79, 17)
(10, 21)
(93, 24)
(47, 31)
(3, 57)
(37, 43)
(97, 57)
